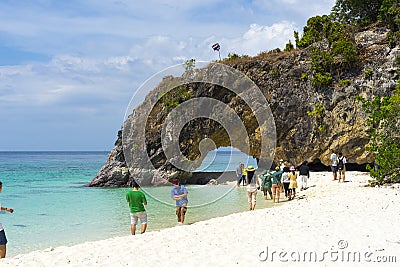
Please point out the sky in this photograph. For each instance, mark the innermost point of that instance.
(68, 69)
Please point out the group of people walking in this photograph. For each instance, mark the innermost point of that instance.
(272, 182)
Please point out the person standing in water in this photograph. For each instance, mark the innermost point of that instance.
(3, 238)
(244, 175)
(239, 173)
(179, 194)
(137, 201)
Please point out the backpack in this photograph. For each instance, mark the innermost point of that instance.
(340, 164)
(266, 178)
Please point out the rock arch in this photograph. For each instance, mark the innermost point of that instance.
(299, 136)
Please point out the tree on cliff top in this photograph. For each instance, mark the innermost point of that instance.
(347, 15)
(357, 12)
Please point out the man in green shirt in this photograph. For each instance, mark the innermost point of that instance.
(137, 201)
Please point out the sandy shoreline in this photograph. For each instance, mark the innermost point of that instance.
(331, 222)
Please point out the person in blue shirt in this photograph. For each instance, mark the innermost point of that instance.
(179, 194)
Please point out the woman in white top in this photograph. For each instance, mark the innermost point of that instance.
(286, 181)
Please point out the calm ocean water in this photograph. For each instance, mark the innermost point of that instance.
(53, 207)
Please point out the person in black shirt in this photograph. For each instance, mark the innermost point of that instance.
(304, 173)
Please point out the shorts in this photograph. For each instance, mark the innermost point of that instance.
(142, 215)
(3, 238)
(251, 188)
(334, 169)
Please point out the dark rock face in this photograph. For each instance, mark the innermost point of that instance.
(281, 78)
(115, 172)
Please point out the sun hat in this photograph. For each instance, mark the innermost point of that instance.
(251, 168)
(292, 168)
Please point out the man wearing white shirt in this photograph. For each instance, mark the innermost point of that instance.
(334, 165)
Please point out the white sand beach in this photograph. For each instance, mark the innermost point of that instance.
(332, 221)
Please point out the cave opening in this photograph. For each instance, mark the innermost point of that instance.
(317, 165)
(225, 159)
(221, 164)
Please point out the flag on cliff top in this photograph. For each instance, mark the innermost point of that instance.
(216, 47)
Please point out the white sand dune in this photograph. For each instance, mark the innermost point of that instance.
(333, 221)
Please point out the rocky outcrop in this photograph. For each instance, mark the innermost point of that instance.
(115, 172)
(282, 78)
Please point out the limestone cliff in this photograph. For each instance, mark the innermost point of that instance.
(282, 78)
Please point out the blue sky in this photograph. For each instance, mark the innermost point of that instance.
(68, 69)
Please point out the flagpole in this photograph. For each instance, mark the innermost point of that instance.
(216, 47)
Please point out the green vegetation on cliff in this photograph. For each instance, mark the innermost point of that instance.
(332, 36)
(384, 122)
(311, 90)
(335, 59)
(333, 48)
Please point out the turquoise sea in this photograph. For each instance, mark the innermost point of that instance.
(53, 207)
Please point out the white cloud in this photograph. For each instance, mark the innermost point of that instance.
(66, 80)
(67, 77)
(69, 63)
(261, 38)
(102, 51)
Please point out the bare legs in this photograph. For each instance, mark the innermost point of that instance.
(133, 228)
(3, 251)
(341, 175)
(180, 213)
(276, 192)
(252, 197)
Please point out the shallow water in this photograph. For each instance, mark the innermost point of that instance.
(53, 207)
